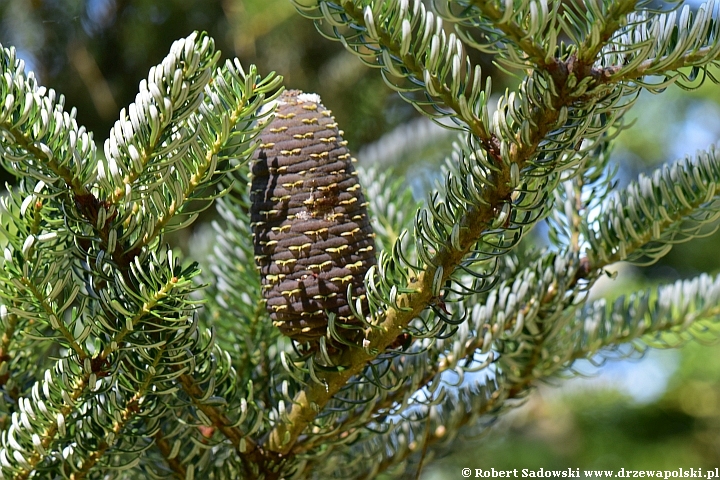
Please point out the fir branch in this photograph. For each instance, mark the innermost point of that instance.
(149, 141)
(34, 278)
(20, 309)
(48, 423)
(53, 317)
(120, 422)
(661, 45)
(514, 376)
(473, 217)
(37, 152)
(642, 222)
(402, 40)
(220, 131)
(82, 377)
(145, 388)
(504, 25)
(389, 329)
(41, 141)
(701, 56)
(684, 310)
(634, 319)
(425, 426)
(146, 309)
(224, 121)
(37, 137)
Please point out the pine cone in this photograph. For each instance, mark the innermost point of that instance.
(311, 229)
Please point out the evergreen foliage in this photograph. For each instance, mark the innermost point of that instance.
(121, 360)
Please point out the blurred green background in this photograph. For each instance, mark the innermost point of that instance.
(662, 412)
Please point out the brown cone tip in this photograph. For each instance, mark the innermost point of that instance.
(311, 229)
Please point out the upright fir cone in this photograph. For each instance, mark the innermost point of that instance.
(311, 229)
